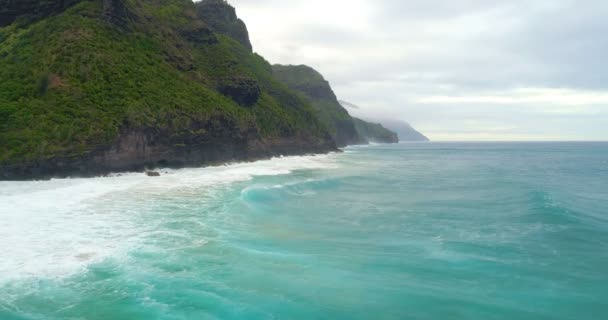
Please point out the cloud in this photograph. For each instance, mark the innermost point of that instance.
(444, 65)
(531, 96)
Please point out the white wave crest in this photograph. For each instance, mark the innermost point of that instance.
(56, 228)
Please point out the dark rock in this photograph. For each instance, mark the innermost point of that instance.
(242, 90)
(152, 174)
(10, 10)
(221, 17)
(215, 141)
(199, 33)
(115, 12)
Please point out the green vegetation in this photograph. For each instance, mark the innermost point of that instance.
(312, 86)
(222, 18)
(69, 83)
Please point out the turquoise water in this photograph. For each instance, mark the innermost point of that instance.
(409, 231)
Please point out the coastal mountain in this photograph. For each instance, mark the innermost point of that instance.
(403, 129)
(222, 18)
(344, 129)
(92, 86)
(313, 87)
(374, 132)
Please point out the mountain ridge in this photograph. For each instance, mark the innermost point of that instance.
(315, 88)
(111, 85)
(344, 128)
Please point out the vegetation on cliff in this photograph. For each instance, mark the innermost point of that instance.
(73, 82)
(222, 18)
(313, 87)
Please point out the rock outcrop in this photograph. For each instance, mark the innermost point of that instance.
(221, 17)
(137, 149)
(243, 90)
(115, 12)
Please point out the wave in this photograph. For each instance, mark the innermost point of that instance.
(278, 192)
(56, 228)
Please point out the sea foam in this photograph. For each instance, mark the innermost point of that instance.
(56, 228)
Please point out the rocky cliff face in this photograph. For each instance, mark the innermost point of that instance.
(243, 90)
(115, 11)
(222, 18)
(138, 149)
(311, 84)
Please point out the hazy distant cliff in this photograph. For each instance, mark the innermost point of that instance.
(403, 129)
(375, 132)
(92, 86)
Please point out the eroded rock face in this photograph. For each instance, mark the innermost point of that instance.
(215, 141)
(198, 33)
(222, 18)
(115, 11)
(242, 90)
(10, 10)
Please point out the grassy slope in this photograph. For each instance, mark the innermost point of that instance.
(70, 82)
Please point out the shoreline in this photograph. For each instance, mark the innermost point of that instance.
(8, 174)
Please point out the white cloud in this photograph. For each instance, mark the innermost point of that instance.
(454, 69)
(532, 96)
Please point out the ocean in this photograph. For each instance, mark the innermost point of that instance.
(408, 231)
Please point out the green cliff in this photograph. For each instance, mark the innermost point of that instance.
(313, 87)
(345, 129)
(222, 18)
(93, 86)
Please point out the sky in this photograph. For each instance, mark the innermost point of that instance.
(488, 70)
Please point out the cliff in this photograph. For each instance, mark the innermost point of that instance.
(313, 87)
(375, 132)
(404, 130)
(222, 18)
(93, 86)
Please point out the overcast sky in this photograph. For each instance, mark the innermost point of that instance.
(454, 69)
